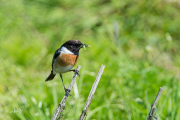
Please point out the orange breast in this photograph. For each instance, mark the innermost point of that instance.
(67, 59)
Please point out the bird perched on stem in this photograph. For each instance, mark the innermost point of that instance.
(65, 58)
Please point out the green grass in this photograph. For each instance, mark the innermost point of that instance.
(142, 57)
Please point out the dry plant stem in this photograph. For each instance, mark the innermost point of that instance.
(153, 107)
(93, 89)
(62, 103)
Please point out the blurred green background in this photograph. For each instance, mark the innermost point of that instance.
(137, 41)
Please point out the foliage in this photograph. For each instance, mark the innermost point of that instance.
(137, 41)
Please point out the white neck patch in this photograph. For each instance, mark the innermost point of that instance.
(66, 51)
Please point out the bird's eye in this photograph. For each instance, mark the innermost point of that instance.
(74, 45)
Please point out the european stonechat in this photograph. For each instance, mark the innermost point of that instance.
(65, 58)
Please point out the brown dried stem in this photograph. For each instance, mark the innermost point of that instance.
(61, 105)
(153, 107)
(93, 89)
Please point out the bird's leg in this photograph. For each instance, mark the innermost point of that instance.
(66, 90)
(75, 71)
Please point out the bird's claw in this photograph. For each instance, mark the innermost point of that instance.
(67, 91)
(76, 72)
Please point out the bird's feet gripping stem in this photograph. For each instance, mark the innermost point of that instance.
(67, 91)
(75, 71)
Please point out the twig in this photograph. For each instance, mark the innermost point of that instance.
(93, 89)
(153, 107)
(62, 103)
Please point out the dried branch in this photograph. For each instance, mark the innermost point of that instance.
(61, 105)
(153, 107)
(93, 89)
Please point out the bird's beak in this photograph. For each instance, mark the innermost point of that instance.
(84, 46)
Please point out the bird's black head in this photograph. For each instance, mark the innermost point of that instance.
(73, 45)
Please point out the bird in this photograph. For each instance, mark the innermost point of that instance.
(65, 58)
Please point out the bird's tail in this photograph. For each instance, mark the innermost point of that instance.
(50, 77)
